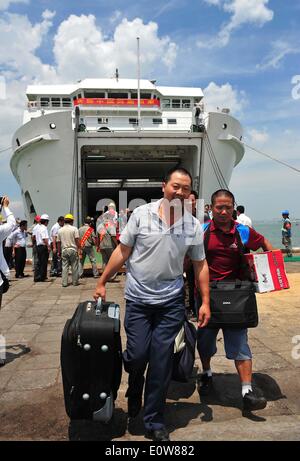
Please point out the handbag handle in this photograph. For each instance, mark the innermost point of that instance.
(98, 306)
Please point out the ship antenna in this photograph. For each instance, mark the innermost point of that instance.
(117, 75)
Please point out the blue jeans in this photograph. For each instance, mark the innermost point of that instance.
(151, 331)
(235, 343)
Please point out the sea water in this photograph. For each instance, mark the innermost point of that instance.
(272, 231)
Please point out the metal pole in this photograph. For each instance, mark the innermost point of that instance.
(138, 82)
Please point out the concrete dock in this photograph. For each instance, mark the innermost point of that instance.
(31, 396)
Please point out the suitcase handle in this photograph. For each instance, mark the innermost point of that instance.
(99, 306)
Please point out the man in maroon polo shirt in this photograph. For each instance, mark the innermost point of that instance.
(224, 262)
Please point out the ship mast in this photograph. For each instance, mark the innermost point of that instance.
(138, 84)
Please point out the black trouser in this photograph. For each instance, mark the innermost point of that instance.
(56, 263)
(20, 260)
(40, 274)
(0, 295)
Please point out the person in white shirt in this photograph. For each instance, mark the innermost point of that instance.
(56, 260)
(241, 217)
(19, 242)
(5, 230)
(43, 248)
(31, 231)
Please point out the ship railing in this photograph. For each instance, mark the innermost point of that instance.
(131, 123)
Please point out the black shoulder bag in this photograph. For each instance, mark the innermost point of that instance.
(233, 303)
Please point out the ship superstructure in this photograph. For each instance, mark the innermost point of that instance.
(100, 140)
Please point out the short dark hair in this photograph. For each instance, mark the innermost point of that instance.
(178, 169)
(23, 223)
(240, 209)
(195, 194)
(60, 218)
(220, 193)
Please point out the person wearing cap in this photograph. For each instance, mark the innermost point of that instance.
(68, 246)
(43, 249)
(32, 242)
(87, 242)
(286, 232)
(56, 261)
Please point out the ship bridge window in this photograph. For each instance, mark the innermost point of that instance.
(175, 103)
(157, 121)
(186, 103)
(166, 103)
(172, 121)
(117, 95)
(55, 102)
(66, 102)
(45, 102)
(143, 95)
(133, 121)
(94, 94)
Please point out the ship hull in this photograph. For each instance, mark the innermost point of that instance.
(61, 170)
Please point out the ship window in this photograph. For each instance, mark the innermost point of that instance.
(133, 121)
(157, 121)
(224, 126)
(18, 142)
(166, 103)
(45, 102)
(102, 120)
(118, 95)
(186, 103)
(94, 94)
(66, 102)
(55, 102)
(143, 95)
(175, 103)
(172, 121)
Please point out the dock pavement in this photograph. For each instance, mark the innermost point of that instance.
(31, 395)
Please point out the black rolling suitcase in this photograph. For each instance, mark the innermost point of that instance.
(91, 361)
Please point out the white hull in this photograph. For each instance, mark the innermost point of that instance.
(50, 181)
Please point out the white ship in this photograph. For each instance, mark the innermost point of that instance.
(100, 140)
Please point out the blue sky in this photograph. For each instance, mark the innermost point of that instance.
(244, 52)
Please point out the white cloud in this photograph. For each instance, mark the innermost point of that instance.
(280, 49)
(115, 17)
(81, 50)
(258, 137)
(19, 42)
(224, 96)
(243, 12)
(5, 4)
(47, 14)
